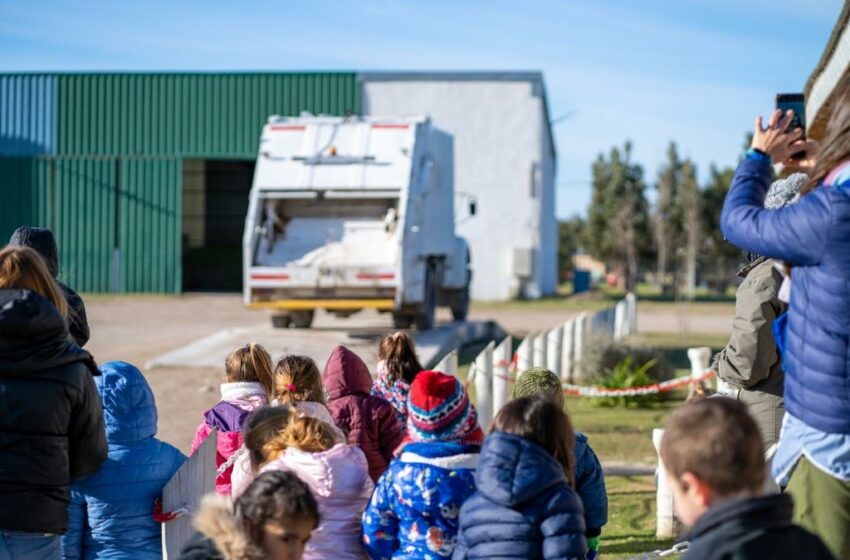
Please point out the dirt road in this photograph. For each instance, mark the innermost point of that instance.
(138, 329)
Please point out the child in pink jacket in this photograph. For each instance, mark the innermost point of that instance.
(338, 476)
(248, 381)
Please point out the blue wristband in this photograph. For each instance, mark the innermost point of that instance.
(757, 155)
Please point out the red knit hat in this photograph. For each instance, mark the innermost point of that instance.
(439, 410)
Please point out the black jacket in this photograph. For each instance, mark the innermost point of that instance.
(42, 241)
(200, 547)
(756, 528)
(51, 418)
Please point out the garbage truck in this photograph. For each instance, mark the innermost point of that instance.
(354, 213)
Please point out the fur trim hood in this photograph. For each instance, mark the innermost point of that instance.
(216, 521)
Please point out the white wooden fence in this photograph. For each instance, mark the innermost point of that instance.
(559, 349)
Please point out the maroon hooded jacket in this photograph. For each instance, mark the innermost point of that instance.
(369, 421)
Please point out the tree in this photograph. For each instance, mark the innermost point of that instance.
(689, 204)
(667, 219)
(617, 231)
(570, 235)
(718, 258)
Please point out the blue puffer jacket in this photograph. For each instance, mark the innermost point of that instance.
(814, 236)
(414, 510)
(111, 512)
(590, 486)
(523, 507)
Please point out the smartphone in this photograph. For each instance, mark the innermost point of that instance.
(797, 103)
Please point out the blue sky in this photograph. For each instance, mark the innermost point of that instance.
(650, 71)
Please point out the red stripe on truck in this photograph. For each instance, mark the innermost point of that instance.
(288, 127)
(378, 276)
(398, 126)
(269, 276)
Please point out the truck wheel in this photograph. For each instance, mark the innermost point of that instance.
(402, 320)
(281, 321)
(302, 319)
(460, 306)
(424, 320)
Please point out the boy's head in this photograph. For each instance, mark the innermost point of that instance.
(538, 381)
(129, 408)
(712, 449)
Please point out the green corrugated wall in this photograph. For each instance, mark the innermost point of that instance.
(112, 189)
(204, 115)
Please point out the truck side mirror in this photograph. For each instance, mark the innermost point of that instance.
(473, 208)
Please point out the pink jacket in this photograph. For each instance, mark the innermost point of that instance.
(238, 400)
(340, 482)
(241, 476)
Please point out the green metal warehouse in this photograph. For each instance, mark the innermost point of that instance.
(144, 177)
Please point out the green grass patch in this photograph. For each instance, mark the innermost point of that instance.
(631, 518)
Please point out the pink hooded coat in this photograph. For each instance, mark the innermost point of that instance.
(369, 421)
(238, 400)
(339, 480)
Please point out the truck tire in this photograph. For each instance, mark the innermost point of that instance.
(402, 320)
(281, 321)
(302, 319)
(460, 305)
(424, 319)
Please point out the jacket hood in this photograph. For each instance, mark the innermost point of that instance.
(766, 512)
(513, 470)
(129, 409)
(216, 521)
(42, 241)
(346, 374)
(341, 472)
(34, 336)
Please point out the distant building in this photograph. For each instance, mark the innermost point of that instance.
(144, 177)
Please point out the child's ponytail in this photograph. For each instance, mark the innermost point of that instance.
(297, 379)
(263, 434)
(309, 434)
(250, 363)
(398, 352)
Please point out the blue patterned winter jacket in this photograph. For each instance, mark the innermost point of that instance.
(523, 507)
(814, 236)
(414, 510)
(111, 513)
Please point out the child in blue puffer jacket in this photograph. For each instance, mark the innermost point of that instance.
(414, 510)
(587, 473)
(111, 513)
(525, 506)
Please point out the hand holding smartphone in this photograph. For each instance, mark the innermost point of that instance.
(795, 102)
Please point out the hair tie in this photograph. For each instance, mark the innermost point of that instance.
(291, 388)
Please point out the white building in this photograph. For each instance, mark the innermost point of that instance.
(504, 159)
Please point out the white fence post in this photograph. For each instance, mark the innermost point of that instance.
(580, 337)
(631, 301)
(554, 340)
(666, 524)
(448, 364)
(567, 350)
(484, 383)
(524, 354)
(541, 351)
(502, 362)
(621, 312)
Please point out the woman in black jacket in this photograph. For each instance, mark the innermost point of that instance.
(51, 419)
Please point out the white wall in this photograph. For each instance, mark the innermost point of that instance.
(501, 156)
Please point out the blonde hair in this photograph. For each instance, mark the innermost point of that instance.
(250, 363)
(273, 429)
(297, 379)
(24, 269)
(261, 434)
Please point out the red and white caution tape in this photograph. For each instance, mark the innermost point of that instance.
(655, 388)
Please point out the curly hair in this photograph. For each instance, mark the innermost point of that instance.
(272, 496)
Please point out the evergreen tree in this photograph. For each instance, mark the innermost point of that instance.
(667, 220)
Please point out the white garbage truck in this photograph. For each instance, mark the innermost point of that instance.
(354, 213)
